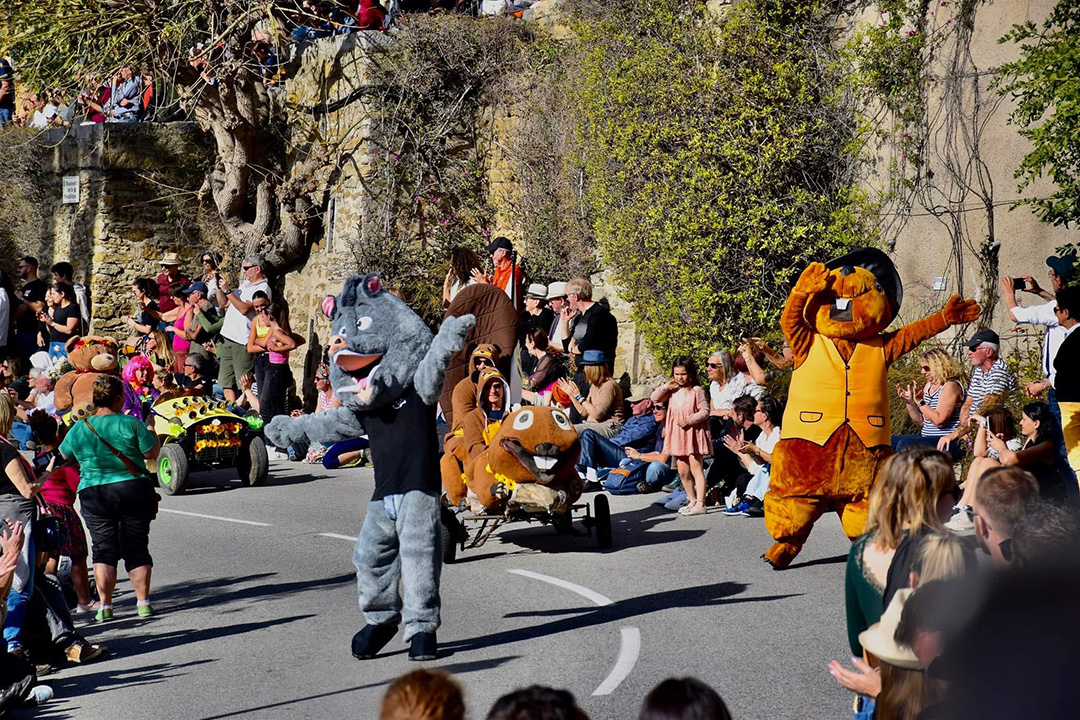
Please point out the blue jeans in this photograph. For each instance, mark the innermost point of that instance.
(903, 442)
(400, 543)
(658, 474)
(5, 116)
(598, 452)
(21, 590)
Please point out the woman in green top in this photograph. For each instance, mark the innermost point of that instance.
(913, 495)
(115, 491)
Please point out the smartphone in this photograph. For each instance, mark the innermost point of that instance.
(1020, 283)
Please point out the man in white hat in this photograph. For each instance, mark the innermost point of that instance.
(170, 273)
(556, 298)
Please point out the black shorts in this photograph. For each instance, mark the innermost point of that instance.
(118, 517)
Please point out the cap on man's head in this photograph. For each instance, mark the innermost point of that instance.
(1064, 265)
(499, 243)
(536, 290)
(197, 287)
(556, 290)
(985, 335)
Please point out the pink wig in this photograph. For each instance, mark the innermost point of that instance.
(134, 364)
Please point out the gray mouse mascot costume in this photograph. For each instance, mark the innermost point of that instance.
(387, 370)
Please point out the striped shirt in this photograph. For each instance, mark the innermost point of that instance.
(994, 381)
(929, 429)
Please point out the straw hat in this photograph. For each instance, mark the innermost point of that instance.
(556, 290)
(880, 638)
(536, 290)
(171, 259)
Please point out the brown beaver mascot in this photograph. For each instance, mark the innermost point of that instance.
(529, 464)
(836, 429)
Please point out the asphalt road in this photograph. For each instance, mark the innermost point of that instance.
(254, 618)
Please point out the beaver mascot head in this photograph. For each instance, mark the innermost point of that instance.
(862, 295)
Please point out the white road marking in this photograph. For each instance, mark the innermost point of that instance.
(567, 585)
(628, 655)
(339, 537)
(215, 517)
(630, 645)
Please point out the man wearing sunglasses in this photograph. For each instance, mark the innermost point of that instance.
(1000, 499)
(233, 357)
(641, 438)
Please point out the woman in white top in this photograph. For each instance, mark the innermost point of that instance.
(731, 383)
(757, 456)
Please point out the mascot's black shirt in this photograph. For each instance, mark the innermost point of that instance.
(404, 447)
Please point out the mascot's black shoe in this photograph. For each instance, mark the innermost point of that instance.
(371, 639)
(423, 647)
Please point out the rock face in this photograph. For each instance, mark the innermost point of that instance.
(118, 229)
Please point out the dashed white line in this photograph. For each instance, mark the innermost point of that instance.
(630, 637)
(628, 655)
(338, 537)
(215, 517)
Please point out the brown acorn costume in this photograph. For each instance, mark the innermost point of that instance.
(836, 429)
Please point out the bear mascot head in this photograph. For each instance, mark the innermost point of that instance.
(91, 357)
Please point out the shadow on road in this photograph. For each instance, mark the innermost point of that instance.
(699, 596)
(215, 591)
(633, 528)
(835, 560)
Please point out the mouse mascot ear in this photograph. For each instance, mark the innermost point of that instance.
(882, 268)
(329, 306)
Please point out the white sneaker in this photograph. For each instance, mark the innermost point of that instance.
(39, 695)
(275, 454)
(961, 524)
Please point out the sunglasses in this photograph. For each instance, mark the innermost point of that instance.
(712, 365)
(484, 361)
(188, 366)
(659, 407)
(248, 267)
(924, 368)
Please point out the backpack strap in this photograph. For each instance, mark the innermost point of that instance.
(131, 467)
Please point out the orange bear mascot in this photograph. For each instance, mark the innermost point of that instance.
(836, 430)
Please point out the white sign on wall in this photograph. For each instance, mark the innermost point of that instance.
(71, 190)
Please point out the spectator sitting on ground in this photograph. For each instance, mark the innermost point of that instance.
(547, 367)
(603, 409)
(123, 105)
(641, 438)
(159, 352)
(989, 380)
(998, 423)
(683, 699)
(370, 15)
(935, 407)
(537, 702)
(93, 99)
(727, 476)
(193, 379)
(757, 457)
(423, 695)
(326, 401)
(535, 317)
(1003, 494)
(63, 272)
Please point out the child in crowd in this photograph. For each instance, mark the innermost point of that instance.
(686, 430)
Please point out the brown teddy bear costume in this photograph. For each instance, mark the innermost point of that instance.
(91, 356)
(836, 429)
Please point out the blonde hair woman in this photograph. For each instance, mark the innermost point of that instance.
(936, 406)
(913, 496)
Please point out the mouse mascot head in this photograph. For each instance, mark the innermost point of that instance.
(836, 429)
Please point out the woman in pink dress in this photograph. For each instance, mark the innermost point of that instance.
(686, 430)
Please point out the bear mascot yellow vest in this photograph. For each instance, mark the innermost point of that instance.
(836, 429)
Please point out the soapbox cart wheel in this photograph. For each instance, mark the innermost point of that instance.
(172, 470)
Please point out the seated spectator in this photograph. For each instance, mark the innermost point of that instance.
(990, 378)
(935, 407)
(547, 367)
(1037, 453)
(641, 439)
(683, 699)
(602, 410)
(1003, 494)
(148, 99)
(326, 401)
(537, 702)
(313, 23)
(159, 352)
(93, 99)
(423, 695)
(123, 105)
(13, 377)
(370, 15)
(998, 423)
(194, 380)
(270, 68)
(719, 368)
(42, 397)
(757, 457)
(727, 476)
(139, 390)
